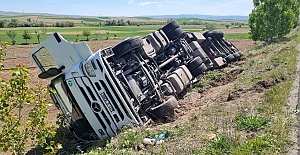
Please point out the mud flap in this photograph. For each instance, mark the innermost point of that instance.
(219, 62)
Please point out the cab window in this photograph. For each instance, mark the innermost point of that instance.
(44, 60)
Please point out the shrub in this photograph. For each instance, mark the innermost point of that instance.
(18, 130)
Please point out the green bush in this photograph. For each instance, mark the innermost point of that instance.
(19, 128)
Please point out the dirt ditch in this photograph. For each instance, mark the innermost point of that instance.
(258, 88)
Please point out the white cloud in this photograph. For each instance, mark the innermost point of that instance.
(130, 1)
(148, 3)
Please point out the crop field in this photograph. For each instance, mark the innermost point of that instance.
(238, 31)
(108, 32)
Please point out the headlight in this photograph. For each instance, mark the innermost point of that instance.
(89, 69)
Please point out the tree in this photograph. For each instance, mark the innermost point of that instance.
(26, 35)
(38, 36)
(13, 23)
(2, 23)
(43, 29)
(107, 35)
(19, 128)
(210, 27)
(271, 19)
(96, 34)
(12, 35)
(77, 35)
(86, 33)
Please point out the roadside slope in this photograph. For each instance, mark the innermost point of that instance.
(241, 109)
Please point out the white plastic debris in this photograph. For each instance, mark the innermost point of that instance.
(149, 141)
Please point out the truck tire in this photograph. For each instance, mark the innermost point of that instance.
(236, 55)
(207, 34)
(126, 46)
(163, 109)
(170, 26)
(229, 58)
(240, 53)
(176, 33)
(196, 62)
(223, 55)
(199, 70)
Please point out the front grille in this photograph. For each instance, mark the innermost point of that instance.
(102, 117)
(114, 110)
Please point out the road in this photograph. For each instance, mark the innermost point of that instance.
(294, 101)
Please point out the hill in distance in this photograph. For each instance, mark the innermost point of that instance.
(199, 16)
(205, 17)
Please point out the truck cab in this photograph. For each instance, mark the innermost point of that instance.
(83, 88)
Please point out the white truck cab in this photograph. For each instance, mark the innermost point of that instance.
(85, 90)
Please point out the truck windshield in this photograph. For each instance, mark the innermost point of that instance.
(65, 101)
(44, 60)
(60, 96)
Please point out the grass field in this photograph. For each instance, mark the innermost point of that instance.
(112, 32)
(115, 32)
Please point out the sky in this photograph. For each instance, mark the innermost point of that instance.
(130, 8)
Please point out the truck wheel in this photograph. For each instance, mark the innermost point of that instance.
(163, 109)
(223, 55)
(170, 26)
(207, 34)
(236, 55)
(196, 62)
(240, 53)
(230, 58)
(199, 70)
(173, 35)
(126, 46)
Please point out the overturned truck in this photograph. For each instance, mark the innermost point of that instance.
(136, 81)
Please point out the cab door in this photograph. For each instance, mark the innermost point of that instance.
(55, 52)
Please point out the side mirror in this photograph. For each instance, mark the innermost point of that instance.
(51, 72)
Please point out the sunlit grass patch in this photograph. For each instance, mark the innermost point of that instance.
(250, 123)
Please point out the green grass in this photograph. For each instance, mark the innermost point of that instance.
(70, 33)
(92, 20)
(237, 36)
(59, 18)
(254, 126)
(11, 17)
(144, 18)
(182, 20)
(250, 123)
(106, 18)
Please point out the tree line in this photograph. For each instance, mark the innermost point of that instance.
(32, 23)
(122, 22)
